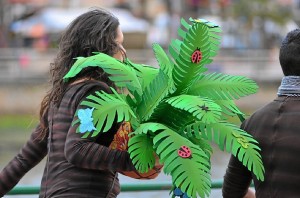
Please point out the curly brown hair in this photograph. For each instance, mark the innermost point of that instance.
(93, 31)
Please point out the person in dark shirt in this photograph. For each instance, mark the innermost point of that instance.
(76, 166)
(276, 128)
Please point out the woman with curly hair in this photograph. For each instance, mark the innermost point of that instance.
(76, 166)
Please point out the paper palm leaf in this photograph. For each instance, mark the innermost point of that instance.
(174, 118)
(149, 128)
(202, 109)
(141, 145)
(141, 151)
(198, 38)
(213, 34)
(145, 73)
(159, 87)
(162, 59)
(234, 140)
(223, 86)
(203, 144)
(153, 95)
(107, 108)
(191, 175)
(120, 74)
(229, 107)
(194, 130)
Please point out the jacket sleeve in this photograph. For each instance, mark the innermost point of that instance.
(86, 153)
(237, 178)
(30, 155)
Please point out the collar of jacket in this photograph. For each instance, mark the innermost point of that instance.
(290, 86)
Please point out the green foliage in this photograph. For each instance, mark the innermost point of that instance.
(107, 108)
(234, 140)
(185, 72)
(203, 144)
(162, 59)
(229, 107)
(175, 118)
(149, 127)
(141, 152)
(120, 74)
(185, 171)
(153, 95)
(176, 105)
(141, 146)
(144, 73)
(201, 108)
(223, 87)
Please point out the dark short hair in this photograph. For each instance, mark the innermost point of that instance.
(289, 55)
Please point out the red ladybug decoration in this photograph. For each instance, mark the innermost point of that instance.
(184, 152)
(196, 56)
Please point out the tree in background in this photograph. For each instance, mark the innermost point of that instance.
(259, 15)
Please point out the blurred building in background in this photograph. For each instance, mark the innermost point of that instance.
(246, 24)
(252, 30)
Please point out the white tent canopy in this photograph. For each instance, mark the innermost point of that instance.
(55, 20)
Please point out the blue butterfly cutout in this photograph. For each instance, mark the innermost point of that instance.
(86, 120)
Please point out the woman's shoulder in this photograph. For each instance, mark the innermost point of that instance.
(88, 85)
(77, 91)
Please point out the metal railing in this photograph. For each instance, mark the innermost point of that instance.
(130, 187)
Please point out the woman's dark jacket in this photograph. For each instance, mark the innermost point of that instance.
(75, 167)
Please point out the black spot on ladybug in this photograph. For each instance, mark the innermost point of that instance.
(196, 56)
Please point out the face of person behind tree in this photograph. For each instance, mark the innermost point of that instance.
(119, 39)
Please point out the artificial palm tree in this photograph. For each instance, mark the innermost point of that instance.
(175, 110)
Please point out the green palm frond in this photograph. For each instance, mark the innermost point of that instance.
(185, 71)
(145, 73)
(162, 59)
(214, 37)
(203, 144)
(194, 129)
(120, 74)
(202, 109)
(223, 86)
(192, 175)
(229, 107)
(153, 95)
(234, 140)
(107, 108)
(149, 128)
(174, 118)
(140, 148)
